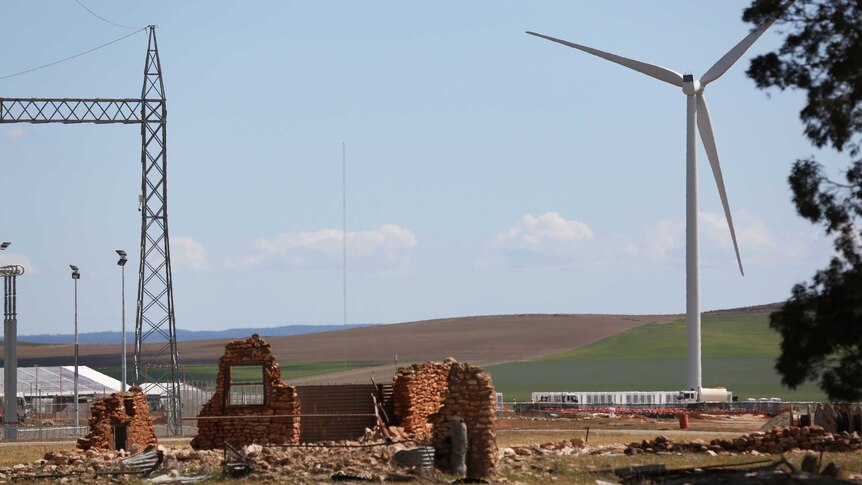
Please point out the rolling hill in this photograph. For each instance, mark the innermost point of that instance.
(185, 335)
(523, 353)
(482, 340)
(739, 352)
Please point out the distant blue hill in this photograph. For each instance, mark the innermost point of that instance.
(187, 335)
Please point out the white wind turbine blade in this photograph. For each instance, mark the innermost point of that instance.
(704, 126)
(738, 50)
(658, 72)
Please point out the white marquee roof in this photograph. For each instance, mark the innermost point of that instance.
(59, 381)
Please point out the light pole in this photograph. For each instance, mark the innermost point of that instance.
(75, 277)
(10, 349)
(122, 264)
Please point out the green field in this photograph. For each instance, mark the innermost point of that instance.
(738, 353)
(208, 372)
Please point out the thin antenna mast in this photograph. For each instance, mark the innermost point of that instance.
(344, 240)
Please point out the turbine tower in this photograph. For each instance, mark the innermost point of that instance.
(697, 114)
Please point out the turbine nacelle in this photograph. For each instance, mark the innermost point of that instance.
(691, 86)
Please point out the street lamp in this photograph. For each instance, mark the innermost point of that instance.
(75, 277)
(122, 264)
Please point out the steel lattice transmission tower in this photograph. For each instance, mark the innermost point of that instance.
(156, 356)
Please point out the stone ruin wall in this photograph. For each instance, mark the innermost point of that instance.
(428, 395)
(418, 392)
(279, 399)
(129, 409)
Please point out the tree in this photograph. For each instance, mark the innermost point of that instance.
(821, 324)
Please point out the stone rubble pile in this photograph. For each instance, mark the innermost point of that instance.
(574, 446)
(777, 440)
(121, 410)
(68, 465)
(427, 396)
(279, 399)
(270, 463)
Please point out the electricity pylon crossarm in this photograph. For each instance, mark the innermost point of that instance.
(156, 353)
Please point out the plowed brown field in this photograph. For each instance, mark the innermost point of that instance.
(481, 340)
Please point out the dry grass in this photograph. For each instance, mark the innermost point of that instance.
(587, 469)
(15, 453)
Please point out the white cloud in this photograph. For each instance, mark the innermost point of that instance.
(187, 253)
(389, 247)
(548, 239)
(758, 243)
(661, 240)
(16, 132)
(7, 258)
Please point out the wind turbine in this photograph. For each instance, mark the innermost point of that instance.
(696, 114)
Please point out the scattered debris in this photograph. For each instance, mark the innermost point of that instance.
(179, 479)
(418, 459)
(235, 463)
(341, 476)
(745, 473)
(144, 462)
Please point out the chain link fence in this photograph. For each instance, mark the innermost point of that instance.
(46, 418)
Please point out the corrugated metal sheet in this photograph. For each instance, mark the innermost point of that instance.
(345, 402)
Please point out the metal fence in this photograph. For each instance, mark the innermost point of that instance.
(545, 409)
(335, 411)
(43, 417)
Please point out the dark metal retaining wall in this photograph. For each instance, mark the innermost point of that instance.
(347, 400)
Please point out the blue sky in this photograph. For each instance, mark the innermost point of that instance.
(489, 172)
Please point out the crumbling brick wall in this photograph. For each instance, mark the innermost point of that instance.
(428, 395)
(418, 392)
(121, 410)
(233, 423)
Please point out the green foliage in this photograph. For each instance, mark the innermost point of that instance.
(820, 326)
(822, 55)
(829, 348)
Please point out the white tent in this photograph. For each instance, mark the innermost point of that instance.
(59, 381)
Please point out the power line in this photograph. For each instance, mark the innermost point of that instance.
(102, 18)
(72, 57)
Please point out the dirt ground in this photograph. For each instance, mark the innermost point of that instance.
(704, 422)
(605, 439)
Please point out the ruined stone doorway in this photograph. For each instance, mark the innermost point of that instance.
(120, 433)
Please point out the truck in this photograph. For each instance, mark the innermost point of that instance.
(24, 410)
(636, 398)
(705, 394)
